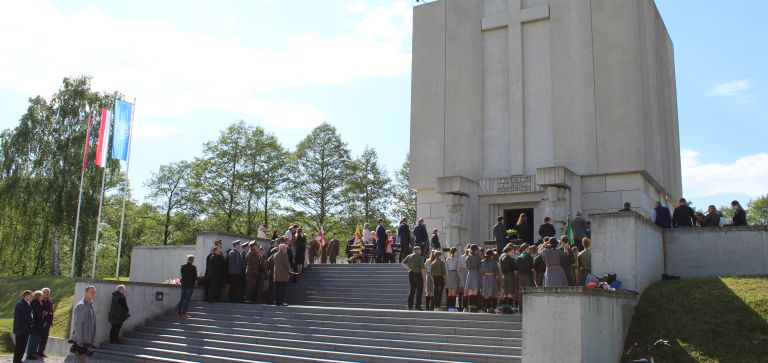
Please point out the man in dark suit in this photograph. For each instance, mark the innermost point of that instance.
(420, 236)
(22, 325)
(683, 216)
(188, 281)
(404, 235)
(381, 241)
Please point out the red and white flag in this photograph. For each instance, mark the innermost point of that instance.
(87, 141)
(322, 236)
(101, 147)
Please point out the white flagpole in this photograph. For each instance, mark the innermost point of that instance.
(80, 199)
(98, 220)
(125, 189)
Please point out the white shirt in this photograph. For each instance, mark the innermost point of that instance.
(367, 235)
(452, 263)
(288, 234)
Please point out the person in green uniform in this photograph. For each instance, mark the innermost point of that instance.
(584, 261)
(414, 263)
(438, 277)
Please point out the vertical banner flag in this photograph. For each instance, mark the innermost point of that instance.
(87, 141)
(322, 236)
(101, 147)
(569, 232)
(121, 135)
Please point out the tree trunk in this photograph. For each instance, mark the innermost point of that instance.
(167, 232)
(266, 209)
(57, 250)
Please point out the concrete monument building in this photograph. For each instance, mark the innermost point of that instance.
(540, 106)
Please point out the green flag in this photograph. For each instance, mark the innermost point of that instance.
(569, 232)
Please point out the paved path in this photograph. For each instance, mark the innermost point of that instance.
(57, 359)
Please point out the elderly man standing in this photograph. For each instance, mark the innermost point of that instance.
(48, 308)
(22, 325)
(282, 273)
(235, 268)
(252, 272)
(118, 313)
(84, 323)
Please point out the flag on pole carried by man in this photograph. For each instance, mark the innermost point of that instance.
(101, 147)
(322, 236)
(569, 232)
(122, 132)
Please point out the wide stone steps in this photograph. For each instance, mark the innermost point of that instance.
(329, 320)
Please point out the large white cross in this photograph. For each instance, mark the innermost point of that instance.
(514, 20)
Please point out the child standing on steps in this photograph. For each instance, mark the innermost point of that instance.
(438, 277)
(474, 277)
(430, 290)
(490, 272)
(452, 278)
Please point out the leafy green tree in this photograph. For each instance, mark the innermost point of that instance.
(757, 211)
(322, 161)
(40, 179)
(169, 190)
(368, 188)
(219, 176)
(404, 196)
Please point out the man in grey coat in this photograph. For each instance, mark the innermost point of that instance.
(579, 227)
(84, 323)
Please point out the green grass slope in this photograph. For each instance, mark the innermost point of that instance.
(705, 320)
(11, 287)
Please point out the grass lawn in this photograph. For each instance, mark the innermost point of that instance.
(705, 320)
(11, 287)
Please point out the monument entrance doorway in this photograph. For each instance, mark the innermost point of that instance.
(511, 216)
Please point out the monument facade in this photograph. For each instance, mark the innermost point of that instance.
(543, 107)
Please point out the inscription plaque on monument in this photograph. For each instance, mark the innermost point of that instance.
(514, 184)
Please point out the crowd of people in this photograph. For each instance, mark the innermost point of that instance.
(684, 216)
(489, 279)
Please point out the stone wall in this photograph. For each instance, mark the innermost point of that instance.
(142, 302)
(575, 324)
(704, 252)
(159, 263)
(627, 244)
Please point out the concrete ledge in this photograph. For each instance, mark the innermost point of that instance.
(629, 245)
(55, 346)
(575, 324)
(709, 252)
(577, 290)
(142, 300)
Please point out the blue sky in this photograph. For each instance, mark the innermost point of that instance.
(197, 66)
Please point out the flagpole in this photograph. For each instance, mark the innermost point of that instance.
(80, 196)
(98, 220)
(125, 190)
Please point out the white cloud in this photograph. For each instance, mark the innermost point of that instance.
(357, 6)
(747, 175)
(151, 131)
(173, 72)
(736, 91)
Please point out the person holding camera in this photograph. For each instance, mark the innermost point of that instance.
(84, 326)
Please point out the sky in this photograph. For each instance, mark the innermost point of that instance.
(195, 67)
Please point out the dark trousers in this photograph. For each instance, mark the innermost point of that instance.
(332, 259)
(252, 292)
(236, 288)
(33, 344)
(417, 289)
(186, 297)
(280, 292)
(380, 248)
(114, 332)
(44, 339)
(439, 282)
(213, 289)
(389, 258)
(21, 346)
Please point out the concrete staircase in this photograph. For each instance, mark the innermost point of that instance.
(350, 313)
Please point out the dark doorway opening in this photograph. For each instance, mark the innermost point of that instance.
(510, 219)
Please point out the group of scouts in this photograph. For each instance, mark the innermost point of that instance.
(240, 274)
(488, 280)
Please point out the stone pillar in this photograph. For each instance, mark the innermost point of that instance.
(455, 226)
(556, 205)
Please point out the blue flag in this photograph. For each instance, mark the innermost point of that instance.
(121, 135)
